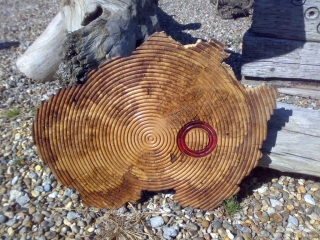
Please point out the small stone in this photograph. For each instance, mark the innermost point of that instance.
(38, 218)
(90, 229)
(262, 190)
(32, 210)
(35, 193)
(264, 233)
(301, 189)
(247, 236)
(277, 217)
(72, 215)
(217, 225)
(280, 229)
(309, 199)
(229, 234)
(275, 203)
(313, 235)
(67, 222)
(205, 223)
(38, 168)
(17, 136)
(156, 222)
(293, 220)
(75, 228)
(23, 200)
(47, 187)
(271, 211)
(277, 235)
(10, 232)
(290, 207)
(11, 222)
(222, 232)
(53, 195)
(190, 227)
(3, 218)
(314, 216)
(69, 205)
(165, 219)
(169, 232)
(14, 180)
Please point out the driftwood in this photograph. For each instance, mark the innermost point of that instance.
(167, 117)
(283, 41)
(293, 141)
(97, 30)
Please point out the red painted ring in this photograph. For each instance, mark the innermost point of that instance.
(181, 139)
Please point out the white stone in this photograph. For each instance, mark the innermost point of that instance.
(309, 199)
(262, 190)
(293, 220)
(14, 194)
(169, 232)
(156, 222)
(229, 234)
(275, 203)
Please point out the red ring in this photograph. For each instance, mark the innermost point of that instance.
(181, 139)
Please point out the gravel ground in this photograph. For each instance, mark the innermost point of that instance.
(35, 206)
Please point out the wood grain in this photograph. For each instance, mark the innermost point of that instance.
(266, 57)
(293, 141)
(117, 134)
(286, 20)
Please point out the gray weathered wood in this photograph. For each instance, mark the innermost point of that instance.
(293, 141)
(307, 93)
(112, 28)
(287, 19)
(265, 57)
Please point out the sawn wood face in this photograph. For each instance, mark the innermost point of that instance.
(116, 135)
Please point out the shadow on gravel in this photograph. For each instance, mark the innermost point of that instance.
(234, 61)
(174, 29)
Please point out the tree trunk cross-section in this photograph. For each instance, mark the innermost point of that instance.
(167, 117)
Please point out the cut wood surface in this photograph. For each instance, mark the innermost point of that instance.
(167, 117)
(265, 57)
(293, 141)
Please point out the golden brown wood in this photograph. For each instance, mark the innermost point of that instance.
(116, 135)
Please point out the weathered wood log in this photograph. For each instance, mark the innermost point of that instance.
(266, 57)
(112, 28)
(293, 140)
(97, 30)
(41, 60)
(283, 41)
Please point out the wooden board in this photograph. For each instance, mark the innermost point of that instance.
(293, 141)
(287, 19)
(265, 57)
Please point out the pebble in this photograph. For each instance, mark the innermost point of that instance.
(293, 220)
(205, 223)
(38, 218)
(156, 222)
(309, 199)
(3, 218)
(169, 232)
(72, 215)
(47, 187)
(275, 203)
(22, 200)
